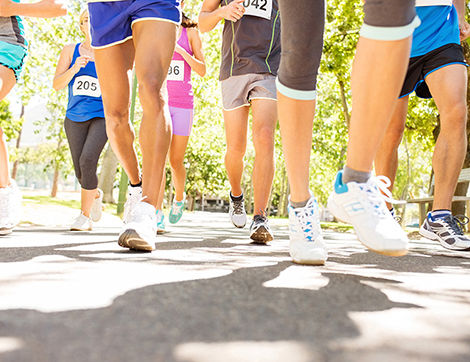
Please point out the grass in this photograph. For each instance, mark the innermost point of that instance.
(73, 204)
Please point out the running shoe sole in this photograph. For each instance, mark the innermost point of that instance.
(261, 236)
(432, 236)
(335, 210)
(131, 239)
(5, 231)
(78, 229)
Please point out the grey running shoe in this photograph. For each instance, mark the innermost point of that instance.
(237, 212)
(448, 231)
(260, 232)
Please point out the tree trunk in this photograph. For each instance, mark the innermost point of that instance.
(286, 201)
(14, 170)
(344, 102)
(281, 196)
(55, 182)
(108, 175)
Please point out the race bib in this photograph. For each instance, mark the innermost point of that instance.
(176, 71)
(85, 85)
(260, 8)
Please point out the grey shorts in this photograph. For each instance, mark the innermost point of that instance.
(239, 90)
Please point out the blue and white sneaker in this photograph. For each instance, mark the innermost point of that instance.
(306, 240)
(176, 211)
(160, 221)
(447, 230)
(363, 206)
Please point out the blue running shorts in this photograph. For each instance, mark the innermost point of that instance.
(111, 21)
(12, 56)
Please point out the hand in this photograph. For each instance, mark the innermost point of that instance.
(6, 8)
(81, 62)
(464, 30)
(179, 49)
(233, 11)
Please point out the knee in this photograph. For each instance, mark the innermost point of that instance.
(150, 90)
(116, 119)
(393, 137)
(454, 119)
(235, 150)
(176, 162)
(263, 140)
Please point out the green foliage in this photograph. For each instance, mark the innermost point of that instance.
(11, 127)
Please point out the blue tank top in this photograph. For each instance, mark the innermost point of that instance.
(85, 100)
(439, 27)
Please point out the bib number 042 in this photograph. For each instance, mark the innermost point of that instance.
(260, 8)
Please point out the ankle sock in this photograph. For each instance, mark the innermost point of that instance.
(350, 175)
(297, 205)
(236, 198)
(440, 214)
(136, 185)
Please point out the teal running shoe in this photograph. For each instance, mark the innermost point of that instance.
(176, 211)
(160, 221)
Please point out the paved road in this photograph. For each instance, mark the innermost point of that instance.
(207, 295)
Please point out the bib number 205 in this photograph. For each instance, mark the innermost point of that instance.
(86, 86)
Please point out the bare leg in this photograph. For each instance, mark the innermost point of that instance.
(87, 198)
(178, 171)
(449, 88)
(7, 81)
(264, 128)
(112, 65)
(371, 113)
(296, 121)
(236, 123)
(386, 160)
(152, 59)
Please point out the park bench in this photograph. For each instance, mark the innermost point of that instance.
(423, 202)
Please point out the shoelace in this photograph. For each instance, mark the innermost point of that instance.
(237, 207)
(455, 224)
(304, 216)
(177, 208)
(377, 190)
(136, 210)
(258, 219)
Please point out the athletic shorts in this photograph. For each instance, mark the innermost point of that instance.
(111, 21)
(420, 67)
(239, 90)
(182, 120)
(12, 57)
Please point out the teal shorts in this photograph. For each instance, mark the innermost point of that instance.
(12, 57)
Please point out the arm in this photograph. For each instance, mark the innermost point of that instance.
(460, 6)
(196, 61)
(211, 13)
(64, 74)
(40, 9)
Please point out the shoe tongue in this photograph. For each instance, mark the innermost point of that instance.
(146, 208)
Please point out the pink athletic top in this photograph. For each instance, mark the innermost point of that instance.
(180, 90)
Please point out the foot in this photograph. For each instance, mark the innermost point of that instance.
(176, 211)
(448, 231)
(363, 206)
(260, 232)
(237, 212)
(140, 231)
(97, 207)
(10, 208)
(81, 223)
(133, 198)
(306, 241)
(160, 221)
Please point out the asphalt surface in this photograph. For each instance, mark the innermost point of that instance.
(207, 295)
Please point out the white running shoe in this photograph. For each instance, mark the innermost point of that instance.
(363, 206)
(135, 195)
(97, 207)
(10, 208)
(447, 230)
(160, 221)
(140, 231)
(81, 223)
(306, 241)
(237, 212)
(260, 232)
